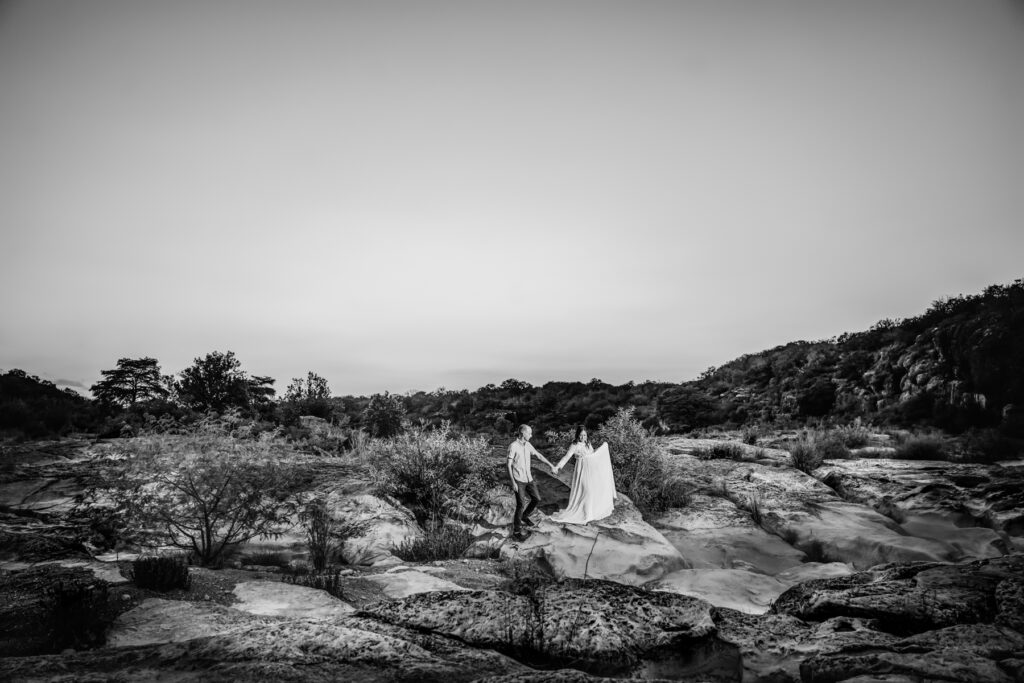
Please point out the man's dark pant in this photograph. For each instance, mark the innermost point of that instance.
(524, 489)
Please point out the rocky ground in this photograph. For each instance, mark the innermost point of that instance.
(869, 570)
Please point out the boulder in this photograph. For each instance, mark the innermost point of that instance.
(915, 597)
(965, 652)
(596, 626)
(772, 646)
(621, 547)
(387, 525)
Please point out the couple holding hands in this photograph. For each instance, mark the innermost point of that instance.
(592, 493)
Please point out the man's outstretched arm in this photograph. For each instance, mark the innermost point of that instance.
(539, 455)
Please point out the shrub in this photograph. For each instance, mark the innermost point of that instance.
(831, 445)
(720, 451)
(639, 465)
(161, 572)
(805, 457)
(328, 581)
(921, 448)
(324, 533)
(750, 436)
(206, 491)
(443, 542)
(434, 473)
(853, 436)
(754, 508)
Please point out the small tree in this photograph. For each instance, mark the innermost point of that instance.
(384, 414)
(205, 491)
(217, 382)
(311, 396)
(132, 381)
(314, 387)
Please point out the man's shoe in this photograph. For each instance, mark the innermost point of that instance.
(528, 522)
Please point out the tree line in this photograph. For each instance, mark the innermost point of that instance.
(969, 344)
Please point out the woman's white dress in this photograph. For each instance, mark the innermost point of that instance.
(592, 495)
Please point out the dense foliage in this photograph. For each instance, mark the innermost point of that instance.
(434, 473)
(639, 466)
(958, 365)
(35, 407)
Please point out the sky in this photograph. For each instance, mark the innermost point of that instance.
(411, 195)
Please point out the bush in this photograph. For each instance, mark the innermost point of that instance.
(805, 457)
(328, 581)
(720, 451)
(434, 473)
(384, 415)
(443, 542)
(853, 436)
(750, 436)
(639, 465)
(325, 534)
(206, 491)
(161, 572)
(921, 448)
(831, 445)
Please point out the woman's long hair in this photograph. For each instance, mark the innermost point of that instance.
(579, 430)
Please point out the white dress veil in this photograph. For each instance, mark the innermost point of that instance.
(593, 487)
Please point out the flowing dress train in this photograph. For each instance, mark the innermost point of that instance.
(592, 495)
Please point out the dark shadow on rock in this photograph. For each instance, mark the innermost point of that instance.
(554, 492)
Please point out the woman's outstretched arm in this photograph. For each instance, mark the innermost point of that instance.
(568, 454)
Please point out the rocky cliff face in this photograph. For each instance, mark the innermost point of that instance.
(960, 364)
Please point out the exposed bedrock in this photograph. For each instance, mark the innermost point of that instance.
(809, 515)
(979, 509)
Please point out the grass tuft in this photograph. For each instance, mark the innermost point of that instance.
(161, 572)
(445, 542)
(720, 451)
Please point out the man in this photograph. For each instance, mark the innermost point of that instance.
(519, 473)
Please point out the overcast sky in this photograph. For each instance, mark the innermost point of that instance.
(407, 195)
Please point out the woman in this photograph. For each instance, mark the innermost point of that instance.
(592, 495)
